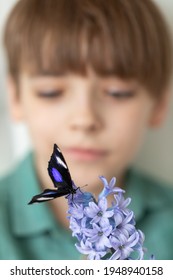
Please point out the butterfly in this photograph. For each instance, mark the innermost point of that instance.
(60, 176)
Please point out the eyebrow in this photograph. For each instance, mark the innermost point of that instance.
(48, 73)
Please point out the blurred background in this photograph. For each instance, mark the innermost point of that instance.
(156, 157)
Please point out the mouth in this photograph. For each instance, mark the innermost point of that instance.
(85, 154)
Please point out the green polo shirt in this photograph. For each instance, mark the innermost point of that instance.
(31, 231)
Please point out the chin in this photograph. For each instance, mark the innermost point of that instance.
(89, 182)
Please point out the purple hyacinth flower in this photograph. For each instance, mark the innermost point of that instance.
(75, 227)
(124, 224)
(102, 231)
(76, 211)
(122, 203)
(123, 245)
(98, 212)
(99, 236)
(108, 187)
(138, 247)
(87, 248)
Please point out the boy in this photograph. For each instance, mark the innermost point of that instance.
(91, 76)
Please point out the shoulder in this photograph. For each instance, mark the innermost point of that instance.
(156, 187)
(157, 192)
(153, 207)
(5, 184)
(8, 181)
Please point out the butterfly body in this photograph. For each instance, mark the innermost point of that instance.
(60, 176)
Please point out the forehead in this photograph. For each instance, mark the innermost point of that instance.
(73, 80)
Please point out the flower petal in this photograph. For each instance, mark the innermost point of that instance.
(103, 204)
(91, 210)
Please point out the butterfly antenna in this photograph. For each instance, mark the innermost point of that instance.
(83, 186)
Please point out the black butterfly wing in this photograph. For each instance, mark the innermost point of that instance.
(58, 171)
(61, 178)
(48, 194)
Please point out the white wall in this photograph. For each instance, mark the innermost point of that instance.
(5, 132)
(14, 141)
(156, 156)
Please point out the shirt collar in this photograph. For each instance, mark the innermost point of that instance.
(28, 219)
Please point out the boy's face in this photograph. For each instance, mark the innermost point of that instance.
(98, 122)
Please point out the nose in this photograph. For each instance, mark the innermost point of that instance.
(86, 114)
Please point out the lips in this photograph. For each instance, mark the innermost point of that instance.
(85, 154)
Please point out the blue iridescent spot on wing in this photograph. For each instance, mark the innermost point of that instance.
(56, 175)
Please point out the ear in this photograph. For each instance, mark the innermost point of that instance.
(14, 99)
(160, 109)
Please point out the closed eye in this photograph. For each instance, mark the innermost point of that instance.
(121, 95)
(50, 94)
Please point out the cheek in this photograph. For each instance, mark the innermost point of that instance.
(139, 121)
(134, 135)
(42, 122)
(129, 133)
